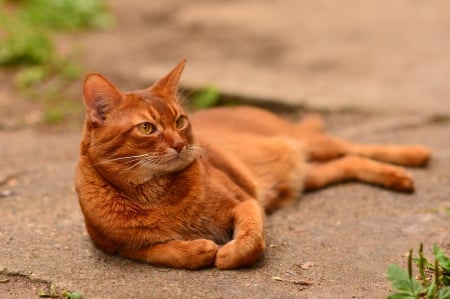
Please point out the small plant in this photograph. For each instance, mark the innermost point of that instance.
(54, 293)
(431, 282)
(205, 97)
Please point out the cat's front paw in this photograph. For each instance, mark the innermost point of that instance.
(201, 254)
(237, 254)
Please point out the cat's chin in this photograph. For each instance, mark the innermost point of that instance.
(167, 164)
(175, 165)
(170, 165)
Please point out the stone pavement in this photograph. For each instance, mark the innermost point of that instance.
(370, 55)
(350, 233)
(378, 69)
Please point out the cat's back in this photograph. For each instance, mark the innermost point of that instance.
(241, 131)
(239, 120)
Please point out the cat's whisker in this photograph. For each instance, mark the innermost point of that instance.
(130, 158)
(149, 159)
(143, 160)
(184, 95)
(129, 168)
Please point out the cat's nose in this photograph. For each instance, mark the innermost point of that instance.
(178, 146)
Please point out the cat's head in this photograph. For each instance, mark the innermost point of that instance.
(137, 134)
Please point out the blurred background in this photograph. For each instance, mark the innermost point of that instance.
(378, 56)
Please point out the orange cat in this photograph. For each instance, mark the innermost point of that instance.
(190, 192)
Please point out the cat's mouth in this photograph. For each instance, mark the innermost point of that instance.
(176, 161)
(173, 159)
(152, 164)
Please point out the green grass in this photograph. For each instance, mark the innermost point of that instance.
(27, 31)
(67, 14)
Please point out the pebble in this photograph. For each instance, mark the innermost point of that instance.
(5, 193)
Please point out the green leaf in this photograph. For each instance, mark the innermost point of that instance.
(416, 287)
(446, 279)
(444, 293)
(71, 295)
(431, 291)
(443, 260)
(75, 295)
(399, 278)
(401, 281)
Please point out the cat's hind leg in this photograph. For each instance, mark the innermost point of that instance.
(321, 147)
(353, 167)
(407, 155)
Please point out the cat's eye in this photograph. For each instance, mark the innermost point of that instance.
(146, 128)
(181, 122)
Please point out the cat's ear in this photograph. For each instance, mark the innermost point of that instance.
(168, 85)
(100, 96)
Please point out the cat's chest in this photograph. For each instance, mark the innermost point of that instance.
(202, 209)
(195, 221)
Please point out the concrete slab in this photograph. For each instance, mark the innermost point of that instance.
(371, 55)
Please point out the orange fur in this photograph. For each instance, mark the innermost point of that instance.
(157, 186)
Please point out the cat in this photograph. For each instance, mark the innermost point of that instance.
(191, 192)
